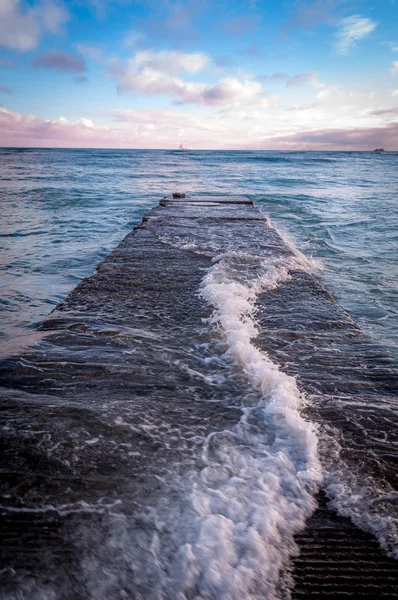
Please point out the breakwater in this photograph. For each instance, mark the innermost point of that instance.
(171, 432)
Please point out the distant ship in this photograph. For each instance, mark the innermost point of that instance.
(379, 150)
(182, 147)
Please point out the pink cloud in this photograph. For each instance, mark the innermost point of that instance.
(5, 90)
(29, 131)
(60, 61)
(338, 139)
(161, 128)
(389, 112)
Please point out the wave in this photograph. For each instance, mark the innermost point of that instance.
(257, 488)
(259, 481)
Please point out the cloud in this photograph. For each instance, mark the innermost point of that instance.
(351, 30)
(385, 111)
(169, 62)
(80, 79)
(8, 63)
(310, 78)
(300, 129)
(132, 38)
(150, 128)
(22, 26)
(159, 73)
(394, 68)
(334, 139)
(333, 92)
(5, 90)
(29, 131)
(228, 91)
(303, 107)
(304, 79)
(60, 61)
(394, 92)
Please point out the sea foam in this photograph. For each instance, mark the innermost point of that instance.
(259, 480)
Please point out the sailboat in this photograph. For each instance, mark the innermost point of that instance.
(182, 147)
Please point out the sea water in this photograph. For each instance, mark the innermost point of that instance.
(65, 209)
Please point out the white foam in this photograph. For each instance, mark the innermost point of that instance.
(258, 484)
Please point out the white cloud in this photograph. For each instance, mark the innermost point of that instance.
(331, 92)
(21, 28)
(351, 30)
(228, 91)
(246, 127)
(394, 93)
(169, 62)
(159, 73)
(132, 38)
(305, 79)
(394, 68)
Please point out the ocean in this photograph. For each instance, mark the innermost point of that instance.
(63, 211)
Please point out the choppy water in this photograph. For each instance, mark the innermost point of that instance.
(244, 468)
(63, 210)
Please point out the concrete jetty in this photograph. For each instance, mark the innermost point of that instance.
(104, 419)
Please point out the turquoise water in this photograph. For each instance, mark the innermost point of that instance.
(63, 210)
(148, 450)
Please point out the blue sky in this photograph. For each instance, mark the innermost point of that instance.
(234, 74)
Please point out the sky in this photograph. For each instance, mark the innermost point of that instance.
(228, 74)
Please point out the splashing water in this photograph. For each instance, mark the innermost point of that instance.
(258, 485)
